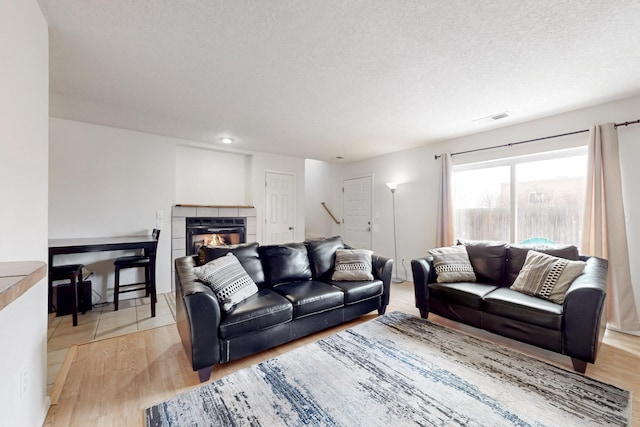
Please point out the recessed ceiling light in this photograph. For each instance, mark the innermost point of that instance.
(226, 140)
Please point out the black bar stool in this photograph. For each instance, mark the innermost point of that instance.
(72, 272)
(136, 261)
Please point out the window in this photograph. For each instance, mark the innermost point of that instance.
(481, 203)
(530, 199)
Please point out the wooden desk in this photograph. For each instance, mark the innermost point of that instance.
(102, 244)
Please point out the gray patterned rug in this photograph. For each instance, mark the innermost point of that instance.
(398, 370)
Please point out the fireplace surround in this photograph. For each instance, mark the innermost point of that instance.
(201, 215)
(213, 231)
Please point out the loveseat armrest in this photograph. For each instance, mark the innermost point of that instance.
(583, 311)
(197, 317)
(382, 267)
(423, 274)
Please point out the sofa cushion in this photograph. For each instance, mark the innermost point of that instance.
(514, 305)
(322, 255)
(285, 263)
(452, 264)
(517, 254)
(229, 281)
(462, 293)
(546, 276)
(263, 310)
(353, 264)
(311, 296)
(359, 291)
(246, 254)
(487, 258)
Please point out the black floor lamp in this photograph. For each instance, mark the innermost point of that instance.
(392, 186)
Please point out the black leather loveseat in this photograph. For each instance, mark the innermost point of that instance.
(296, 297)
(573, 328)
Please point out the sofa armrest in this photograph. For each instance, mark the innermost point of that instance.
(423, 274)
(197, 316)
(584, 312)
(382, 267)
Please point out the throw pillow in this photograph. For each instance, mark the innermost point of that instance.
(246, 253)
(353, 265)
(230, 282)
(452, 264)
(517, 254)
(547, 276)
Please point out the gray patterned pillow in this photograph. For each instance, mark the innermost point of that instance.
(452, 264)
(230, 282)
(353, 265)
(547, 276)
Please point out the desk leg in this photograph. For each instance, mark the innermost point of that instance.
(74, 297)
(152, 277)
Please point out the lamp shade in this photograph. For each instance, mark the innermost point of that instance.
(392, 185)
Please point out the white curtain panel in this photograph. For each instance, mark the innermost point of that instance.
(604, 232)
(445, 227)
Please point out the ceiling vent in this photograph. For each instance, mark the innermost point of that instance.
(492, 118)
(500, 116)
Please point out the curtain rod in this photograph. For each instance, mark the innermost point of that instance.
(437, 156)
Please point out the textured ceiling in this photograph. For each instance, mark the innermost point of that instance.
(327, 78)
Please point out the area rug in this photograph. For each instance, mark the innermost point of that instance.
(398, 370)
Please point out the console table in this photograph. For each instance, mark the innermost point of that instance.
(101, 244)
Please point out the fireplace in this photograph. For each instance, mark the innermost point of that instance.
(214, 231)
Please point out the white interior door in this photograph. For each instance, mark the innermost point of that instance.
(356, 223)
(280, 205)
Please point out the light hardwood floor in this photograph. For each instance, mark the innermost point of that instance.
(110, 382)
(103, 322)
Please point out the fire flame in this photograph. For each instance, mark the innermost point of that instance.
(215, 240)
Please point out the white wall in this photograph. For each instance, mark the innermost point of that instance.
(105, 181)
(197, 165)
(321, 180)
(418, 173)
(23, 215)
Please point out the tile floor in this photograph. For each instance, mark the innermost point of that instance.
(103, 322)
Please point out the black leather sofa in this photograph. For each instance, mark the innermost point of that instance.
(296, 297)
(574, 328)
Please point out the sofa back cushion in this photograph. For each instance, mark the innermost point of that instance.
(248, 256)
(517, 254)
(322, 256)
(285, 263)
(487, 259)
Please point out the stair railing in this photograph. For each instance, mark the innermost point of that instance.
(324, 205)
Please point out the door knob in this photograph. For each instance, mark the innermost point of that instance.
(290, 228)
